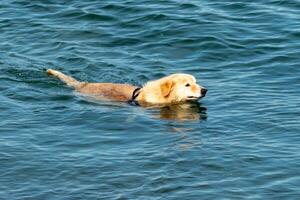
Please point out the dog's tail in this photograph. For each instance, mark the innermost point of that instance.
(67, 79)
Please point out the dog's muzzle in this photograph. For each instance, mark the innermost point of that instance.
(203, 92)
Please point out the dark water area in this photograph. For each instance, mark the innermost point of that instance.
(239, 142)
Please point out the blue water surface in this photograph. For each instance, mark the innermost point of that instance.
(242, 141)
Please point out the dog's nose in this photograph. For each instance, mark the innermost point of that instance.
(203, 91)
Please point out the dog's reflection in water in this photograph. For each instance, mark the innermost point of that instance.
(182, 112)
(190, 111)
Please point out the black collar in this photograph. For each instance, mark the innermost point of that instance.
(135, 94)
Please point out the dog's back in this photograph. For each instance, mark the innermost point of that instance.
(114, 91)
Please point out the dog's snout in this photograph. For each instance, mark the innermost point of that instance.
(203, 91)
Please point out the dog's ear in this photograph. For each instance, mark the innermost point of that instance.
(166, 88)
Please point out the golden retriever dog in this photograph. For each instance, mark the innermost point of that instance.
(172, 89)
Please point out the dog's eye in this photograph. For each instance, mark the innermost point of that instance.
(187, 85)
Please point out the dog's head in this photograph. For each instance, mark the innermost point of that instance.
(181, 87)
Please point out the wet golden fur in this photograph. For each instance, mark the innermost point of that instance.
(174, 88)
